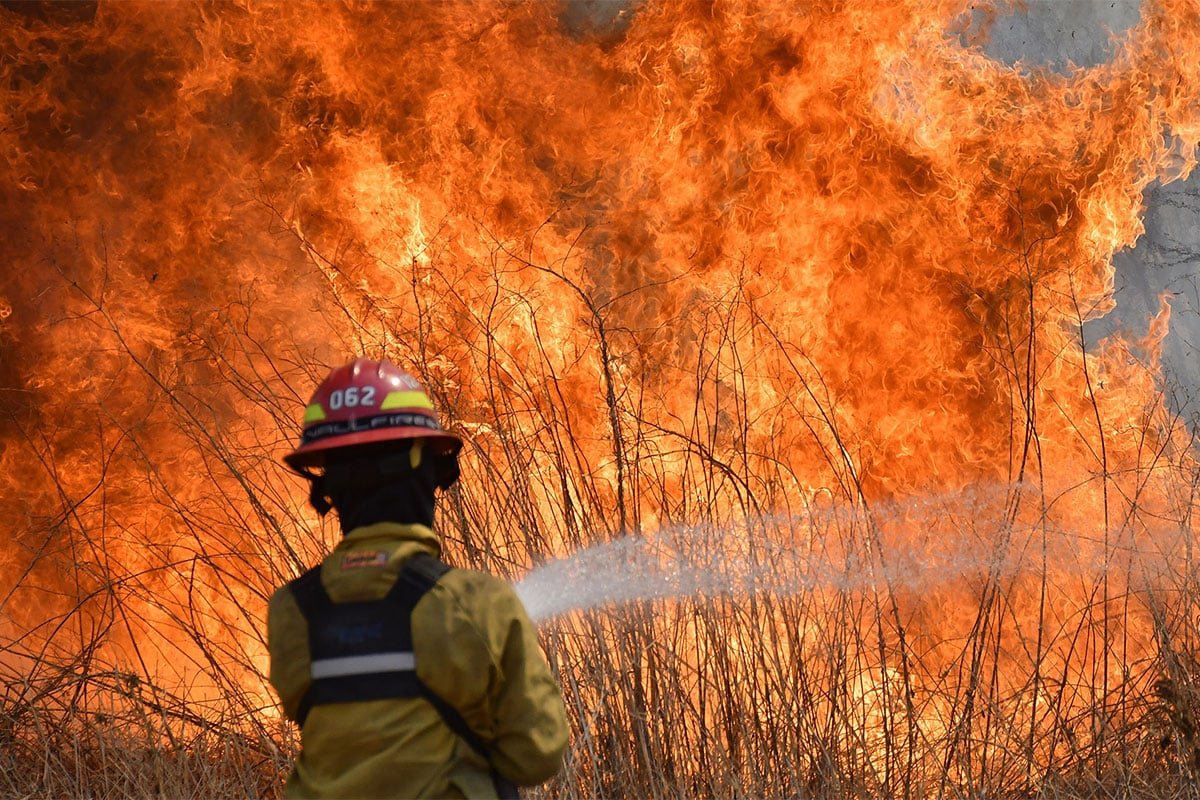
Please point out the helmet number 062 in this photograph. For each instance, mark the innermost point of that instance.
(352, 397)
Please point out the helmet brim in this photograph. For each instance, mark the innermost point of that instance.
(313, 454)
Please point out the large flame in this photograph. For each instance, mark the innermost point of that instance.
(724, 260)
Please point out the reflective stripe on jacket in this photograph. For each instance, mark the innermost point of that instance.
(474, 646)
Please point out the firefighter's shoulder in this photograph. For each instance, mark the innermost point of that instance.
(480, 597)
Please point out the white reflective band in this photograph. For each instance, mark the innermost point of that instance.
(362, 665)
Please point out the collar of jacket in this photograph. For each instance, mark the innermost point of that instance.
(366, 561)
(391, 533)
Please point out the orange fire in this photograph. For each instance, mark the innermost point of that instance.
(722, 260)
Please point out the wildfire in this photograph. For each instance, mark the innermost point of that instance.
(727, 260)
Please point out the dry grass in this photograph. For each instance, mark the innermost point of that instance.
(111, 735)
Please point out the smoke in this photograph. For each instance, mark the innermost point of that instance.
(1069, 35)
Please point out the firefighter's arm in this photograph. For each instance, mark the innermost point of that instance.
(530, 732)
(287, 641)
(478, 650)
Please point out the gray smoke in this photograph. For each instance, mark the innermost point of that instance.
(1061, 33)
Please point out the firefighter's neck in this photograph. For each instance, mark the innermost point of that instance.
(405, 502)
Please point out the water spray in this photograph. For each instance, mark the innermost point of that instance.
(919, 545)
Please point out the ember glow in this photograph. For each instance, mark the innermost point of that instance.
(716, 264)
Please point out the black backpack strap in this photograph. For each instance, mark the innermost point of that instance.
(422, 571)
(312, 598)
(309, 593)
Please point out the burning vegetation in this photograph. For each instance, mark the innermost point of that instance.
(812, 277)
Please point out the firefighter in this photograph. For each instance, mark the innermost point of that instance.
(407, 678)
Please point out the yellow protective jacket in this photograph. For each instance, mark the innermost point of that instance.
(474, 647)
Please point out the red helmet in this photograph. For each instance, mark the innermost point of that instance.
(364, 402)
